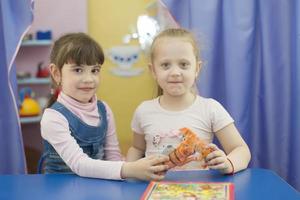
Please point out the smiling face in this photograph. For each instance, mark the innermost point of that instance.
(174, 65)
(75, 62)
(78, 81)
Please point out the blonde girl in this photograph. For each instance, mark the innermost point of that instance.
(175, 65)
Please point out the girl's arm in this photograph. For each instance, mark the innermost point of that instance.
(55, 129)
(111, 147)
(137, 150)
(149, 168)
(237, 152)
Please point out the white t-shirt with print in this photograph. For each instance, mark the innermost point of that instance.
(161, 127)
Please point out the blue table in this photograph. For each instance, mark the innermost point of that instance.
(249, 184)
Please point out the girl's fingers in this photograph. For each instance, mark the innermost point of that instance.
(215, 154)
(158, 159)
(159, 168)
(212, 145)
(216, 161)
(151, 157)
(218, 166)
(157, 177)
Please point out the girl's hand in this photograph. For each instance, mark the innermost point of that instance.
(218, 160)
(149, 168)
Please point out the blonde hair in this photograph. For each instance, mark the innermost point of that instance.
(175, 33)
(179, 33)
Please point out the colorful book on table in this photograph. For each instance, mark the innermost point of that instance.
(189, 190)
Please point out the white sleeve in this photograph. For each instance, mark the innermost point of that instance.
(219, 116)
(55, 129)
(136, 123)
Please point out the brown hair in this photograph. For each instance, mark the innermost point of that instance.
(175, 33)
(78, 48)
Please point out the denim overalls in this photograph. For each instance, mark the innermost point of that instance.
(90, 138)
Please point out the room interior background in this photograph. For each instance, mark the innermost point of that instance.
(251, 51)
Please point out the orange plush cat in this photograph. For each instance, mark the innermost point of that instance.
(190, 145)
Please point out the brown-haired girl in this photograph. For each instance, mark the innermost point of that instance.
(78, 130)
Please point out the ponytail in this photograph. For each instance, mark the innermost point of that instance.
(54, 94)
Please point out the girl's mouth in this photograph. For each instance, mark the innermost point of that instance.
(174, 82)
(86, 89)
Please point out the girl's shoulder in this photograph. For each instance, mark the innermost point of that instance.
(51, 114)
(147, 105)
(149, 102)
(205, 101)
(52, 121)
(208, 105)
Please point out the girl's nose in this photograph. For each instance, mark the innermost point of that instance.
(175, 71)
(88, 77)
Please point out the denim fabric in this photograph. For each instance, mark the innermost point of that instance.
(90, 138)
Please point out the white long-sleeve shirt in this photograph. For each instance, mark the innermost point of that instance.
(55, 129)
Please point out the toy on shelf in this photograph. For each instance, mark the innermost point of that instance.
(28, 37)
(187, 148)
(42, 72)
(40, 38)
(44, 35)
(29, 107)
(23, 75)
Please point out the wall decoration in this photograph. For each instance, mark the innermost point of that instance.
(124, 56)
(149, 25)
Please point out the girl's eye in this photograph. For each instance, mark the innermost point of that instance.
(184, 65)
(96, 70)
(165, 65)
(78, 70)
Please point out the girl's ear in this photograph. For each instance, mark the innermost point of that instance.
(151, 69)
(198, 68)
(55, 73)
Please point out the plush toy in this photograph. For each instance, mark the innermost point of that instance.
(42, 72)
(28, 106)
(189, 146)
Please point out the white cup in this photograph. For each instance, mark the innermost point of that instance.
(124, 56)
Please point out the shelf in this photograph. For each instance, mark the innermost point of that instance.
(34, 81)
(27, 120)
(36, 43)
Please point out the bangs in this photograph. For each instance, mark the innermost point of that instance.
(80, 50)
(85, 54)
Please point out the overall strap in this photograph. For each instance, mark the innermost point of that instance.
(103, 115)
(90, 138)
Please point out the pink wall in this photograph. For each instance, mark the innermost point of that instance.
(58, 16)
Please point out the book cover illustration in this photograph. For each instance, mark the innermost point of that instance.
(189, 190)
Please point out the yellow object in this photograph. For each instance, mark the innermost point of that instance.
(29, 107)
(123, 94)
